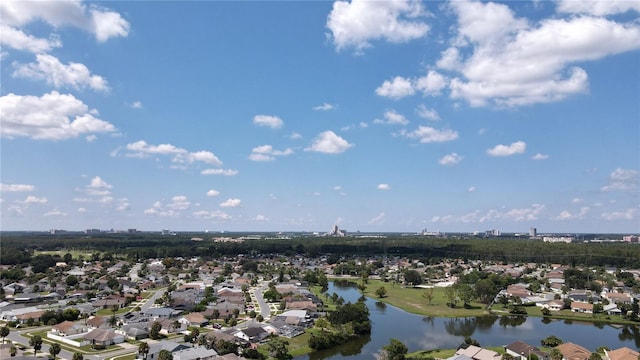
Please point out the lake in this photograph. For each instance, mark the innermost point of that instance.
(425, 333)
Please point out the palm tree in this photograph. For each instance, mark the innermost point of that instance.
(36, 342)
(78, 356)
(54, 349)
(4, 332)
(143, 349)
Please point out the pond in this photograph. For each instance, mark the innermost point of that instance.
(424, 333)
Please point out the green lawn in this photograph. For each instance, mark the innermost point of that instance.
(412, 300)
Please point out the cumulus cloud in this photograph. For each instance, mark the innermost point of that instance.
(231, 203)
(397, 88)
(16, 187)
(260, 217)
(450, 159)
(598, 7)
(393, 118)
(35, 200)
(55, 212)
(98, 187)
(136, 105)
(329, 143)
(354, 24)
(267, 153)
(324, 107)
(471, 189)
(57, 74)
(430, 84)
(103, 23)
(384, 187)
(427, 113)
(540, 156)
(427, 134)
(273, 122)
(224, 172)
(512, 62)
(53, 116)
(212, 215)
(213, 193)
(19, 40)
(622, 180)
(171, 209)
(567, 215)
(141, 149)
(531, 213)
(629, 214)
(518, 147)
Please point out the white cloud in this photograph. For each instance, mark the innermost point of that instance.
(566, 215)
(136, 105)
(450, 159)
(471, 189)
(354, 24)
(432, 83)
(209, 215)
(55, 212)
(428, 134)
(397, 88)
(577, 201)
(513, 62)
(261, 218)
(623, 180)
(393, 118)
(53, 116)
(540, 156)
(57, 74)
(384, 187)
(337, 188)
(141, 149)
(267, 153)
(629, 214)
(231, 203)
(16, 187)
(273, 122)
(172, 209)
(295, 136)
(103, 23)
(377, 219)
(517, 147)
(426, 113)
(598, 7)
(324, 107)
(213, 193)
(224, 172)
(329, 143)
(531, 213)
(19, 40)
(98, 187)
(35, 200)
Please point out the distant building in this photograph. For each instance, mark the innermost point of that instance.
(553, 239)
(492, 232)
(337, 232)
(630, 238)
(533, 232)
(132, 231)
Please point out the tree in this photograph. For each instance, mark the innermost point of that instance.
(428, 294)
(396, 350)
(551, 341)
(507, 356)
(154, 332)
(555, 354)
(54, 349)
(165, 355)
(277, 348)
(143, 350)
(78, 356)
(36, 343)
(595, 356)
(4, 332)
(412, 277)
(13, 351)
(381, 292)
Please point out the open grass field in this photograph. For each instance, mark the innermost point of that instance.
(412, 300)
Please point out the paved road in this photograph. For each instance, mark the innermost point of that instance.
(264, 306)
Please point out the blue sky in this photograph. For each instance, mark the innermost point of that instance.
(295, 116)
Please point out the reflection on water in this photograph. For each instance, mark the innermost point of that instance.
(428, 333)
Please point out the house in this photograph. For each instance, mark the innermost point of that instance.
(252, 334)
(195, 353)
(581, 307)
(521, 350)
(134, 331)
(98, 322)
(555, 305)
(194, 319)
(611, 309)
(103, 337)
(616, 298)
(623, 353)
(171, 346)
(478, 353)
(67, 328)
(571, 351)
